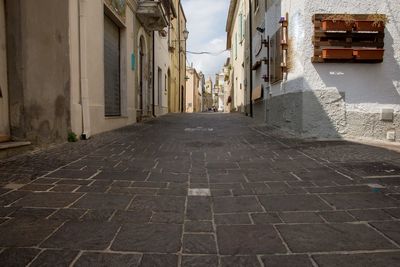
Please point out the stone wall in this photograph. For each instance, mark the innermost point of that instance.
(38, 69)
(338, 100)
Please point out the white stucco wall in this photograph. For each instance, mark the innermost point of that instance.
(95, 57)
(4, 123)
(162, 61)
(350, 96)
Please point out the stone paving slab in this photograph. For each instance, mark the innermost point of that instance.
(332, 237)
(82, 235)
(248, 240)
(293, 203)
(158, 238)
(122, 199)
(359, 260)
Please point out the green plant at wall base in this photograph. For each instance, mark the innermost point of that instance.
(72, 137)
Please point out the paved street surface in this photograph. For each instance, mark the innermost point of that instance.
(201, 190)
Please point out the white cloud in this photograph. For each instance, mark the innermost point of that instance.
(206, 21)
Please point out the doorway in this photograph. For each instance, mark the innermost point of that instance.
(169, 91)
(4, 105)
(182, 99)
(141, 74)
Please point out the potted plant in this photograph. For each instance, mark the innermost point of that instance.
(369, 53)
(373, 23)
(337, 53)
(338, 22)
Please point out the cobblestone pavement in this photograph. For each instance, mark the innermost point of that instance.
(201, 190)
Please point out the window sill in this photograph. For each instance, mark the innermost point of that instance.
(115, 117)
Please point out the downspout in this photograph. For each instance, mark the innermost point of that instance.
(154, 76)
(251, 56)
(179, 57)
(84, 86)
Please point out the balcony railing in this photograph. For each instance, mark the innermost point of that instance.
(152, 15)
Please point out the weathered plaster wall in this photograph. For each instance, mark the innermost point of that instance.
(259, 52)
(339, 100)
(95, 56)
(4, 120)
(38, 69)
(237, 60)
(367, 88)
(162, 61)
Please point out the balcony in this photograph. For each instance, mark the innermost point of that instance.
(152, 15)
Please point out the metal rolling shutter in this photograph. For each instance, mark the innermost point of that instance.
(112, 91)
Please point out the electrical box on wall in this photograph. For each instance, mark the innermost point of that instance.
(391, 135)
(387, 115)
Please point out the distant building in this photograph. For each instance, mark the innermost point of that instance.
(219, 93)
(208, 96)
(193, 96)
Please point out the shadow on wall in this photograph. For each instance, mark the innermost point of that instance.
(342, 100)
(363, 86)
(324, 114)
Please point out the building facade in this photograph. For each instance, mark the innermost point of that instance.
(208, 95)
(193, 95)
(82, 66)
(236, 43)
(300, 86)
(177, 47)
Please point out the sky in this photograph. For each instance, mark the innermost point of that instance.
(206, 21)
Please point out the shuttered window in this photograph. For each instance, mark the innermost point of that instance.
(112, 73)
(276, 57)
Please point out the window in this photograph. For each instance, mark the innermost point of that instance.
(112, 69)
(276, 56)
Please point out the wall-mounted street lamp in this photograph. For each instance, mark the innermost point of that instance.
(185, 36)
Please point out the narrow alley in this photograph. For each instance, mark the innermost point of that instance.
(201, 190)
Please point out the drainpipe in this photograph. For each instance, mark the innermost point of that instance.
(251, 56)
(84, 87)
(179, 57)
(154, 75)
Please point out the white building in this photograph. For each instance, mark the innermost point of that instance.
(317, 97)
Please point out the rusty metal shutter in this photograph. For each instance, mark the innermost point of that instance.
(112, 90)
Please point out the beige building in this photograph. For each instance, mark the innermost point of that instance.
(236, 42)
(80, 66)
(177, 47)
(193, 95)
